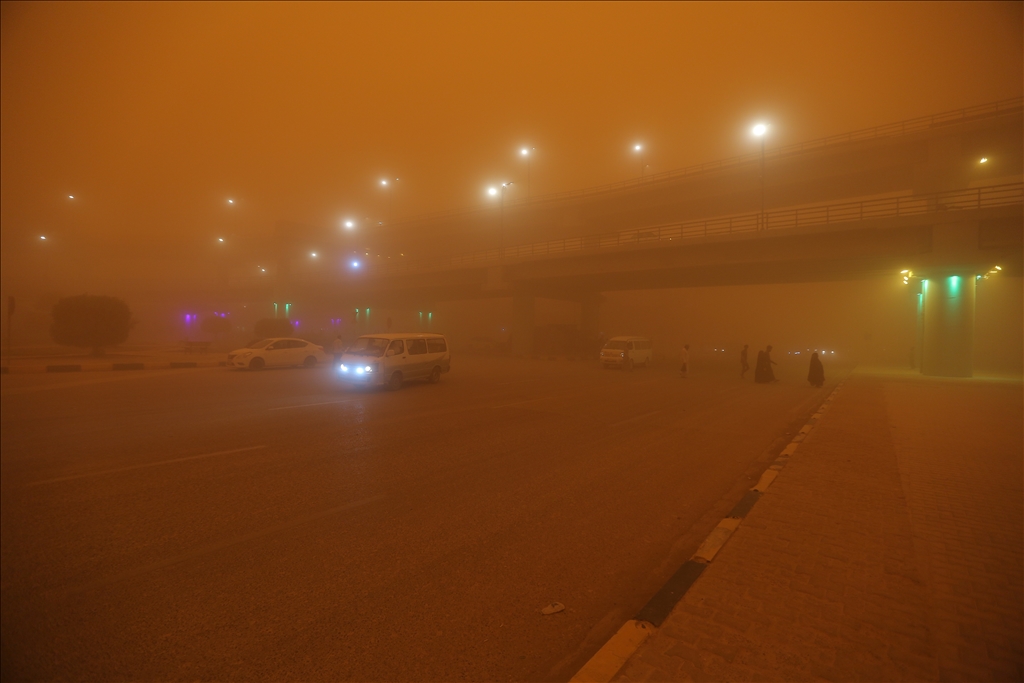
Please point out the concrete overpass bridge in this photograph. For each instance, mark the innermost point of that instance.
(909, 196)
(946, 240)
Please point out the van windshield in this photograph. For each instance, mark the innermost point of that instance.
(368, 346)
(617, 345)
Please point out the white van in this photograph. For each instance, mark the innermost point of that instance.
(625, 352)
(391, 359)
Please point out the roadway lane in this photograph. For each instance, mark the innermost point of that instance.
(212, 524)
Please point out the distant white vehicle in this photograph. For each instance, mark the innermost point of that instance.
(626, 352)
(277, 352)
(391, 359)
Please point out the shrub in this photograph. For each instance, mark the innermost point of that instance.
(91, 322)
(273, 327)
(215, 325)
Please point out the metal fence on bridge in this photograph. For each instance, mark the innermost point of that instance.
(748, 223)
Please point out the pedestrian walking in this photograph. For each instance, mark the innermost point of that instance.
(744, 365)
(684, 370)
(816, 373)
(763, 373)
(337, 348)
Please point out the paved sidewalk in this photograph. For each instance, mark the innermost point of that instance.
(889, 548)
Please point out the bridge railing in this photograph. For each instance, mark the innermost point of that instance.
(747, 223)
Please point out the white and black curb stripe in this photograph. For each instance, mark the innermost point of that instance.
(613, 655)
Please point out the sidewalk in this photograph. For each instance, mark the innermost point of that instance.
(888, 548)
(131, 359)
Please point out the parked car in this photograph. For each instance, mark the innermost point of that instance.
(626, 352)
(277, 352)
(391, 359)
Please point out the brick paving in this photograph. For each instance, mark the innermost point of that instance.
(889, 548)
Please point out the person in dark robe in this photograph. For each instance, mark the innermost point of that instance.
(759, 375)
(763, 373)
(816, 374)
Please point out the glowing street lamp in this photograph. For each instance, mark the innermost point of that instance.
(386, 183)
(526, 153)
(760, 130)
(42, 237)
(639, 149)
(231, 201)
(349, 225)
(312, 254)
(71, 196)
(984, 160)
(493, 191)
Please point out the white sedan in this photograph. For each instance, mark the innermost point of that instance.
(278, 352)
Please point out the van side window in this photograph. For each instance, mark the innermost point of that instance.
(417, 346)
(397, 347)
(436, 346)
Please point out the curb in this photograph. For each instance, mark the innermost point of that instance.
(108, 367)
(614, 654)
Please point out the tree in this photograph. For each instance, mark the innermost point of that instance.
(91, 322)
(215, 325)
(273, 327)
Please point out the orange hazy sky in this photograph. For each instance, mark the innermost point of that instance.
(154, 114)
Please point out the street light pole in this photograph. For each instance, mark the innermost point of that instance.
(501, 218)
(762, 180)
(759, 131)
(527, 153)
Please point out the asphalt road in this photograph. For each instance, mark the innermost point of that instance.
(217, 524)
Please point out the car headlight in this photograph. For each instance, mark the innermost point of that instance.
(622, 355)
(343, 367)
(245, 355)
(368, 368)
(359, 371)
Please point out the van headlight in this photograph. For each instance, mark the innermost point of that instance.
(368, 368)
(343, 367)
(622, 355)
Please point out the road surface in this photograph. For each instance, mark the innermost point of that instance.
(220, 524)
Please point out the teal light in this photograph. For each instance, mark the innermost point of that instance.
(287, 310)
(954, 285)
(430, 316)
(275, 309)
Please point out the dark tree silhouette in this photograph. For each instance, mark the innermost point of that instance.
(215, 325)
(91, 322)
(273, 327)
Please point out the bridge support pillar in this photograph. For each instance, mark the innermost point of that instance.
(948, 326)
(590, 317)
(523, 310)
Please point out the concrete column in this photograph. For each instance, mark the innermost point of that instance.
(590, 317)
(948, 326)
(523, 308)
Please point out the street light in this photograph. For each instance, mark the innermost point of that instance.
(385, 183)
(492, 191)
(349, 225)
(230, 201)
(639, 149)
(526, 153)
(759, 131)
